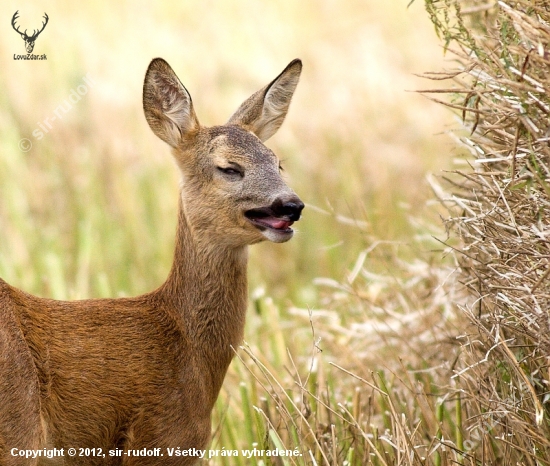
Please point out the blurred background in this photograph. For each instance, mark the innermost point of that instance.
(88, 200)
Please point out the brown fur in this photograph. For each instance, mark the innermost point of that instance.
(145, 372)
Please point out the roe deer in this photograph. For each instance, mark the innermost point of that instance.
(145, 372)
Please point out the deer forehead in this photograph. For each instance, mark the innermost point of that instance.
(234, 144)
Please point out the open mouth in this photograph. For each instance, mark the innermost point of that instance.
(265, 218)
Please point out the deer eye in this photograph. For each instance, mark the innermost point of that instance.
(231, 171)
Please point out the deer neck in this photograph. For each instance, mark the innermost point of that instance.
(207, 287)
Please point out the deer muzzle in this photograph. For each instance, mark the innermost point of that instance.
(275, 221)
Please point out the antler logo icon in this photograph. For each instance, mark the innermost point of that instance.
(29, 40)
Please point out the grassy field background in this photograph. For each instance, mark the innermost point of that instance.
(90, 209)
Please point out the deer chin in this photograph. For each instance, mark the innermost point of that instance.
(273, 228)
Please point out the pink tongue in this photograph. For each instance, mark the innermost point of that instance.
(276, 223)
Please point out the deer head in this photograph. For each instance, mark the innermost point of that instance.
(233, 182)
(29, 40)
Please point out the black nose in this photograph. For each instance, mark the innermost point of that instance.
(291, 208)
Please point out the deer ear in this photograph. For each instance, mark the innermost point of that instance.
(264, 112)
(167, 104)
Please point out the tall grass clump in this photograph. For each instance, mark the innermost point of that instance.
(499, 206)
